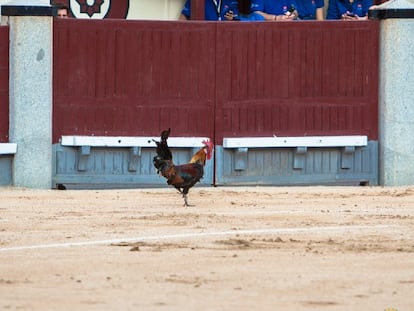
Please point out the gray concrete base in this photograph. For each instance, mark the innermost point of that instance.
(6, 169)
(106, 167)
(289, 166)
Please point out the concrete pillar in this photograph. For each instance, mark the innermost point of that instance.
(30, 92)
(396, 95)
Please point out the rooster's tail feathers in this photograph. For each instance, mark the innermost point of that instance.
(163, 151)
(164, 154)
(165, 134)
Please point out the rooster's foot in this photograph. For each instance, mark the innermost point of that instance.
(185, 200)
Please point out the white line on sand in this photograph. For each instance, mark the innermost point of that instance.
(198, 235)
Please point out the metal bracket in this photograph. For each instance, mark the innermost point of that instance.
(133, 161)
(347, 157)
(240, 159)
(83, 156)
(299, 158)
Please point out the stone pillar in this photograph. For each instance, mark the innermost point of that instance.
(396, 92)
(30, 92)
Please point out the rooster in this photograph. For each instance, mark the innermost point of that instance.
(181, 177)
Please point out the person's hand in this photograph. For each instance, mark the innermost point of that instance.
(289, 16)
(229, 15)
(348, 16)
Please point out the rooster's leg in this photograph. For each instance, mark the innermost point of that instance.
(185, 199)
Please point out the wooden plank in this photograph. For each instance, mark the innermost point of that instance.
(118, 141)
(313, 141)
(8, 148)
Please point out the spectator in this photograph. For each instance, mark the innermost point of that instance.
(213, 10)
(348, 9)
(244, 10)
(62, 11)
(310, 9)
(279, 10)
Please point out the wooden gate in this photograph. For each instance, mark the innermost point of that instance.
(120, 79)
(304, 79)
(129, 78)
(297, 79)
(133, 78)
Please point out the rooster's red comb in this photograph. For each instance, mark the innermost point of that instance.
(210, 146)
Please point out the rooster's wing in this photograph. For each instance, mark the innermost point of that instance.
(186, 176)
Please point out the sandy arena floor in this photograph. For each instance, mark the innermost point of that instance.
(253, 248)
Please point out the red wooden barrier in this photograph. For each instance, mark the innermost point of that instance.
(133, 78)
(117, 77)
(297, 79)
(4, 84)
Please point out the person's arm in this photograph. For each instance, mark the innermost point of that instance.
(273, 17)
(186, 11)
(346, 17)
(319, 14)
(267, 17)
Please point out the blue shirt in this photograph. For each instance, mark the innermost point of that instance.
(256, 5)
(307, 8)
(338, 7)
(278, 7)
(213, 11)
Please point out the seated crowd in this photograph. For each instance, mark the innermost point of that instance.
(281, 10)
